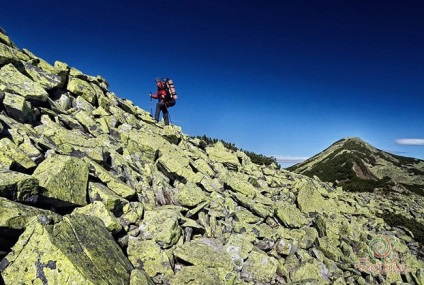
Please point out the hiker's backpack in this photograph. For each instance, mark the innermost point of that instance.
(170, 91)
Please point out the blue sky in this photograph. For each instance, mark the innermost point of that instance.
(281, 78)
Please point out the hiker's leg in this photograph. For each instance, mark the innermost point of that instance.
(165, 115)
(157, 112)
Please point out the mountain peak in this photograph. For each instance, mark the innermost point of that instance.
(358, 166)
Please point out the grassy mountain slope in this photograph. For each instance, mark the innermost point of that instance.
(357, 166)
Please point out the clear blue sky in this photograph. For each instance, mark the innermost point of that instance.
(282, 78)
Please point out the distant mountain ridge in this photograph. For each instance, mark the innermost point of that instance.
(358, 166)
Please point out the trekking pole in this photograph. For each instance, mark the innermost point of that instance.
(151, 110)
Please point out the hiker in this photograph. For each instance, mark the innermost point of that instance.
(165, 100)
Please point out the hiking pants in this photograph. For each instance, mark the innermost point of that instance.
(161, 106)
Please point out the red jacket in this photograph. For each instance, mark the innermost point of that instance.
(160, 93)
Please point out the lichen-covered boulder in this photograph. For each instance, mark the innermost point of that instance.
(189, 195)
(329, 248)
(98, 209)
(290, 215)
(117, 186)
(86, 120)
(65, 180)
(77, 250)
(310, 271)
(175, 164)
(284, 247)
(206, 252)
(44, 78)
(139, 277)
(145, 142)
(13, 155)
(218, 153)
(55, 135)
(11, 80)
(5, 161)
(259, 267)
(18, 186)
(238, 247)
(161, 225)
(4, 39)
(23, 137)
(254, 205)
(172, 134)
(99, 192)
(239, 183)
(8, 53)
(329, 227)
(82, 88)
(16, 216)
(310, 200)
(18, 108)
(202, 166)
(148, 256)
(132, 214)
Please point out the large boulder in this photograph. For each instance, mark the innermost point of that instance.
(239, 183)
(259, 267)
(99, 210)
(44, 78)
(64, 180)
(82, 88)
(161, 225)
(310, 199)
(132, 214)
(16, 216)
(77, 250)
(9, 54)
(4, 39)
(18, 108)
(11, 80)
(209, 253)
(100, 192)
(311, 271)
(114, 184)
(150, 257)
(218, 153)
(12, 155)
(290, 215)
(175, 164)
(189, 195)
(18, 186)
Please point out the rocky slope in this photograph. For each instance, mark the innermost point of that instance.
(357, 166)
(93, 191)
